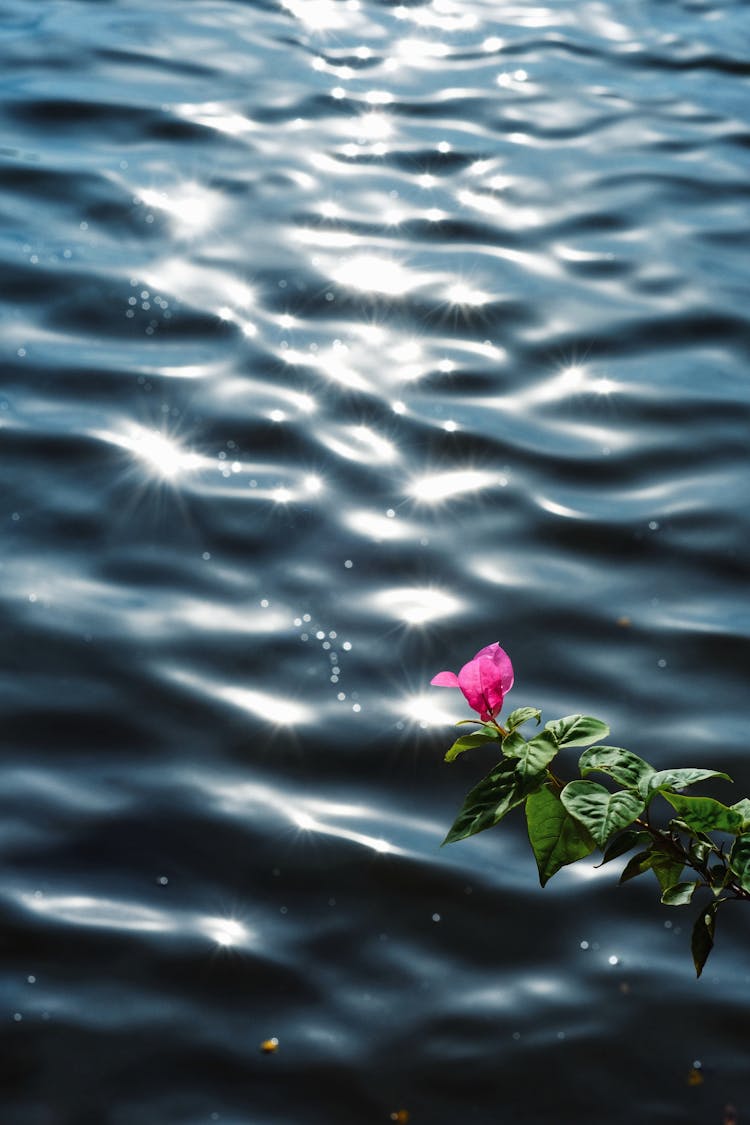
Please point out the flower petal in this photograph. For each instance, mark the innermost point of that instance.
(485, 679)
(472, 681)
(445, 679)
(502, 663)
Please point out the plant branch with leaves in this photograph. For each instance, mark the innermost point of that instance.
(566, 821)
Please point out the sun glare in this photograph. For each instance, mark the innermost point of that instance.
(374, 274)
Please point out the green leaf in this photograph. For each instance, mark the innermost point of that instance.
(703, 935)
(601, 812)
(622, 765)
(676, 779)
(470, 742)
(678, 825)
(743, 807)
(680, 894)
(536, 754)
(704, 814)
(636, 866)
(699, 852)
(513, 744)
(556, 838)
(489, 801)
(577, 730)
(720, 876)
(739, 861)
(666, 868)
(623, 843)
(522, 715)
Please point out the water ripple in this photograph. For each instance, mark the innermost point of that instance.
(340, 339)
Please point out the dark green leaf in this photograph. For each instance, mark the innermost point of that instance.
(676, 779)
(704, 814)
(680, 894)
(623, 843)
(699, 851)
(522, 715)
(489, 801)
(469, 742)
(678, 825)
(636, 866)
(703, 935)
(666, 868)
(601, 812)
(622, 765)
(577, 730)
(739, 861)
(556, 838)
(719, 875)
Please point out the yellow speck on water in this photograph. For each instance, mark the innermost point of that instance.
(400, 1116)
(268, 1046)
(623, 622)
(694, 1078)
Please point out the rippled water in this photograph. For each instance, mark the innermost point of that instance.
(340, 339)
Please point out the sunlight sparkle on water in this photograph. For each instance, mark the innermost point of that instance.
(378, 527)
(417, 605)
(421, 50)
(162, 453)
(574, 379)
(440, 14)
(305, 822)
(461, 294)
(360, 443)
(214, 115)
(426, 709)
(319, 15)
(193, 207)
(87, 910)
(378, 97)
(373, 126)
(226, 931)
(275, 709)
(307, 814)
(374, 274)
(441, 486)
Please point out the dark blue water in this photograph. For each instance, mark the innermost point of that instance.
(339, 340)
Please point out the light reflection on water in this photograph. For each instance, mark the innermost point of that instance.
(342, 339)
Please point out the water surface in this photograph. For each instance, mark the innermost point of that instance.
(340, 339)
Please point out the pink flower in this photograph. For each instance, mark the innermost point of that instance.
(485, 680)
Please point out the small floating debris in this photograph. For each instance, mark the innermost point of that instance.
(695, 1076)
(268, 1046)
